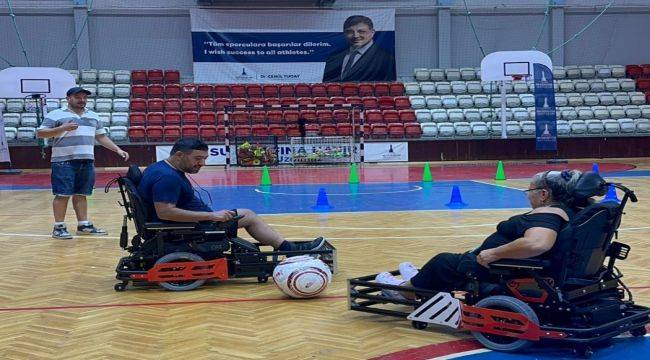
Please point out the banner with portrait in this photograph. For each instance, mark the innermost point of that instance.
(293, 46)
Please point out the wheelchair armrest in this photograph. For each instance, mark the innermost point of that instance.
(158, 226)
(532, 264)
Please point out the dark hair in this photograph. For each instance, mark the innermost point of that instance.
(187, 145)
(357, 19)
(559, 183)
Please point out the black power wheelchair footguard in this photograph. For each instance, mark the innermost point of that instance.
(574, 297)
(182, 256)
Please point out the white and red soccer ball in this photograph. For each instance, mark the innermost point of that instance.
(302, 276)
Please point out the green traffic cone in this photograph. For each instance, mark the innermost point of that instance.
(501, 174)
(354, 176)
(266, 178)
(426, 173)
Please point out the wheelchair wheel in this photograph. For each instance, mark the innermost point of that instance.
(181, 285)
(505, 343)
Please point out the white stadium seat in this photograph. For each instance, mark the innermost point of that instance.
(427, 88)
(11, 133)
(88, 76)
(528, 128)
(467, 74)
(15, 105)
(411, 88)
(603, 71)
(122, 90)
(465, 101)
(421, 74)
(611, 126)
(104, 105)
(106, 76)
(28, 120)
(119, 119)
(642, 126)
(596, 85)
(578, 127)
(594, 127)
(118, 133)
(429, 129)
(618, 71)
(446, 129)
(452, 74)
(26, 134)
(11, 119)
(423, 115)
(462, 129)
(587, 71)
(433, 102)
(479, 129)
(122, 77)
(627, 125)
(437, 75)
(417, 102)
(563, 127)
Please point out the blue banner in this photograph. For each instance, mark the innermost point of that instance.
(291, 46)
(545, 116)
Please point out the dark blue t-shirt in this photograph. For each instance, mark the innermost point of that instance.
(162, 183)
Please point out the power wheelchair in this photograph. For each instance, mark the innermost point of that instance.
(182, 256)
(572, 297)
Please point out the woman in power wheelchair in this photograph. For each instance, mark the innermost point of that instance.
(541, 276)
(183, 255)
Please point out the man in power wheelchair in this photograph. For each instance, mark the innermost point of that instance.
(541, 276)
(181, 242)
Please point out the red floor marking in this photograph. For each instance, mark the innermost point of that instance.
(430, 351)
(215, 176)
(169, 303)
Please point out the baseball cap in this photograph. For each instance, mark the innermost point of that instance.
(77, 90)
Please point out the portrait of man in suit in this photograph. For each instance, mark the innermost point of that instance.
(363, 60)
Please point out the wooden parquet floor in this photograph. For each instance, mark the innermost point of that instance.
(57, 299)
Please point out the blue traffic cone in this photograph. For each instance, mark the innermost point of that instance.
(456, 200)
(611, 195)
(594, 168)
(322, 204)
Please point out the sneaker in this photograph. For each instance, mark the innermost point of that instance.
(90, 229)
(61, 232)
(407, 270)
(389, 279)
(315, 244)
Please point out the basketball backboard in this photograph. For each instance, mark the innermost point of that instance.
(20, 82)
(512, 65)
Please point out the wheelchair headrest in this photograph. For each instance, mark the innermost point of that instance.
(134, 174)
(589, 184)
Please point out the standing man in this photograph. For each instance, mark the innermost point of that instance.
(74, 131)
(363, 60)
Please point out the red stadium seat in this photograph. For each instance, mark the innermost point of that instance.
(254, 90)
(367, 130)
(378, 131)
(137, 119)
(272, 102)
(189, 105)
(391, 116)
(221, 103)
(325, 116)
(206, 104)
(172, 118)
(402, 102)
(328, 130)
(286, 90)
(221, 118)
(239, 102)
(302, 90)
(239, 117)
(396, 89)
(205, 91)
(190, 118)
(292, 130)
(260, 130)
(337, 100)
(312, 129)
(374, 117)
(137, 134)
(188, 91)
(288, 101)
(221, 132)
(139, 91)
(643, 84)
(291, 116)
(341, 115)
(407, 116)
(305, 101)
(138, 77)
(321, 101)
(172, 77)
(344, 129)
(333, 90)
(155, 105)
(221, 91)
(207, 118)
(172, 105)
(238, 91)
(270, 90)
(350, 89)
(155, 76)
(155, 118)
(318, 90)
(172, 91)
(645, 68)
(171, 133)
(412, 130)
(256, 102)
(370, 102)
(353, 100)
(277, 130)
(382, 89)
(154, 133)
(190, 131)
(647, 97)
(208, 132)
(309, 115)
(275, 116)
(258, 116)
(386, 102)
(633, 71)
(366, 89)
(138, 105)
(243, 130)
(396, 130)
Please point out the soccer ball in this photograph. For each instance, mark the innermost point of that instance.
(302, 276)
